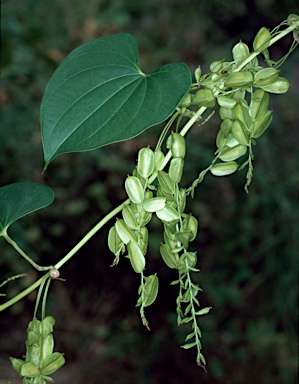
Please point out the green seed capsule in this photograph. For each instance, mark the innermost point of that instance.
(170, 239)
(280, 86)
(178, 145)
(261, 40)
(215, 66)
(259, 104)
(240, 52)
(114, 241)
(168, 214)
(46, 326)
(226, 127)
(233, 153)
(129, 217)
(134, 189)
(223, 169)
(136, 257)
(187, 260)
(241, 111)
(240, 133)
(190, 223)
(182, 200)
(170, 259)
(144, 240)
(16, 363)
(204, 98)
(231, 141)
(197, 74)
(29, 369)
(260, 126)
(186, 101)
(48, 346)
(154, 204)
(145, 165)
(239, 79)
(158, 159)
(165, 183)
(226, 101)
(266, 76)
(151, 287)
(220, 139)
(176, 169)
(226, 113)
(124, 232)
(52, 363)
(34, 325)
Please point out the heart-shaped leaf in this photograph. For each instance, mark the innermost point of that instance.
(99, 95)
(19, 199)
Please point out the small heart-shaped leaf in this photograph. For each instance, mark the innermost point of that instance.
(19, 199)
(98, 96)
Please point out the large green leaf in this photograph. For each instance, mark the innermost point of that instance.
(98, 96)
(19, 199)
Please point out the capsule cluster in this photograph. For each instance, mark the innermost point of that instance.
(40, 361)
(167, 201)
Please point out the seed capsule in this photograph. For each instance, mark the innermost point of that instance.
(114, 241)
(261, 40)
(48, 346)
(134, 189)
(226, 113)
(241, 111)
(144, 239)
(280, 86)
(266, 76)
(52, 363)
(154, 204)
(178, 145)
(136, 257)
(240, 52)
(29, 369)
(151, 287)
(124, 232)
(223, 169)
(176, 169)
(186, 101)
(170, 259)
(226, 101)
(165, 183)
(239, 80)
(145, 165)
(190, 223)
(168, 214)
(16, 363)
(197, 74)
(158, 159)
(234, 153)
(240, 133)
(204, 98)
(259, 104)
(259, 126)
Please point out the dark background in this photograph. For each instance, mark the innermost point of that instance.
(247, 243)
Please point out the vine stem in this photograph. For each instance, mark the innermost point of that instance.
(110, 215)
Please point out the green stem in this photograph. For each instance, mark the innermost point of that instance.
(22, 253)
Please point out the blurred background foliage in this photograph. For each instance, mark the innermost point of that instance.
(247, 244)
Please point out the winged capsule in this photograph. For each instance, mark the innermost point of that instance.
(240, 133)
(146, 163)
(266, 76)
(170, 259)
(168, 213)
(239, 80)
(226, 113)
(178, 145)
(240, 52)
(261, 40)
(226, 101)
(129, 217)
(176, 169)
(52, 363)
(136, 257)
(280, 86)
(16, 363)
(186, 101)
(165, 182)
(125, 232)
(29, 369)
(259, 126)
(47, 346)
(190, 223)
(154, 204)
(134, 189)
(197, 74)
(114, 241)
(204, 98)
(151, 288)
(259, 104)
(224, 169)
(158, 159)
(241, 111)
(233, 153)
